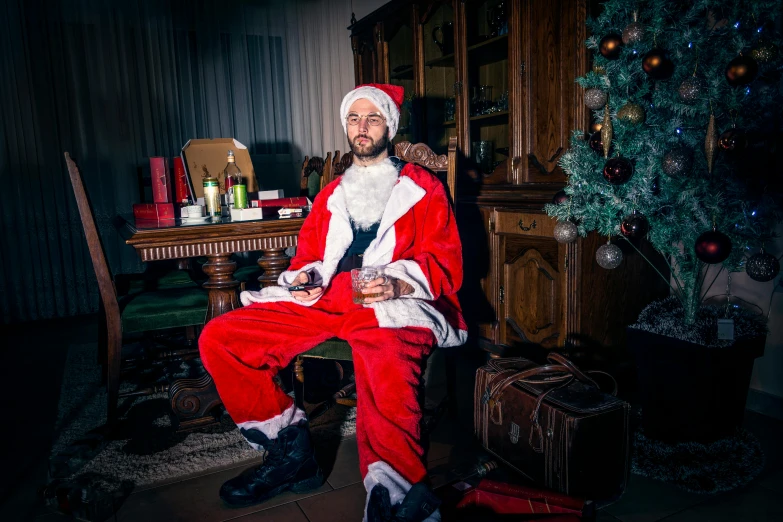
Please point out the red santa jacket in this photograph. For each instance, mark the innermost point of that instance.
(417, 242)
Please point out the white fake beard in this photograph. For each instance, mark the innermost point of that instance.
(367, 190)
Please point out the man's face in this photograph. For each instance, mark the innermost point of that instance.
(367, 141)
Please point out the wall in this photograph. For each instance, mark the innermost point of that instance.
(362, 8)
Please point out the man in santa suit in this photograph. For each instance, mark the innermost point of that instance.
(382, 213)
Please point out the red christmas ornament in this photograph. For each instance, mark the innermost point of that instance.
(597, 144)
(618, 170)
(733, 140)
(713, 247)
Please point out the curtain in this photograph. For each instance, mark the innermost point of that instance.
(115, 82)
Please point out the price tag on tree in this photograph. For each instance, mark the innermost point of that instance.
(726, 329)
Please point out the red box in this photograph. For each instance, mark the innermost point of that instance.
(181, 188)
(161, 180)
(300, 202)
(153, 211)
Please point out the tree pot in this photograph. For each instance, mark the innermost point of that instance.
(689, 392)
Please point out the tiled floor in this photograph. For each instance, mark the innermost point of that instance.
(341, 498)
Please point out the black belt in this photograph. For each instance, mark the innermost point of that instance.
(348, 263)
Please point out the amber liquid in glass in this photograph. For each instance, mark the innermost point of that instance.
(359, 297)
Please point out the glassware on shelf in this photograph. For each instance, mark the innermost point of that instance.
(497, 19)
(449, 107)
(483, 155)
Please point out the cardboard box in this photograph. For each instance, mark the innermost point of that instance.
(246, 214)
(153, 211)
(161, 180)
(267, 194)
(206, 158)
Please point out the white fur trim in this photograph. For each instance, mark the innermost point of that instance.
(399, 313)
(404, 196)
(382, 473)
(271, 427)
(380, 99)
(339, 236)
(410, 272)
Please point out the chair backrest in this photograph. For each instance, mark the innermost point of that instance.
(338, 167)
(99, 264)
(422, 154)
(313, 171)
(419, 153)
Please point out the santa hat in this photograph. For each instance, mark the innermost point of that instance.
(388, 98)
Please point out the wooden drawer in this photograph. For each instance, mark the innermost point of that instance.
(524, 223)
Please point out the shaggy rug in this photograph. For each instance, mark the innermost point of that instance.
(714, 467)
(143, 449)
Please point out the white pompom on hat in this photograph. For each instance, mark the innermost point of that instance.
(388, 98)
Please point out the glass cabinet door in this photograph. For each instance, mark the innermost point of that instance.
(399, 36)
(439, 102)
(487, 85)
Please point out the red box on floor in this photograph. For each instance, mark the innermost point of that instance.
(153, 211)
(161, 180)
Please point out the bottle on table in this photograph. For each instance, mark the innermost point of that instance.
(236, 189)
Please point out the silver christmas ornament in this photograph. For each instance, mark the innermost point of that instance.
(633, 33)
(762, 267)
(690, 90)
(595, 98)
(677, 161)
(565, 232)
(609, 256)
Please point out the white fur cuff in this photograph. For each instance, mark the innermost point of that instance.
(271, 427)
(411, 273)
(382, 473)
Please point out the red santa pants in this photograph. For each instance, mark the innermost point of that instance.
(244, 349)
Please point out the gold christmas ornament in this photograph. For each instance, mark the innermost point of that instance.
(710, 143)
(597, 69)
(632, 113)
(606, 131)
(766, 52)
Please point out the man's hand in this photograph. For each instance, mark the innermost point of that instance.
(387, 287)
(305, 295)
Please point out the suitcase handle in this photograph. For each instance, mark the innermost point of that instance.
(563, 373)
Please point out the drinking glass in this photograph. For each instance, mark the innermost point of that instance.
(360, 277)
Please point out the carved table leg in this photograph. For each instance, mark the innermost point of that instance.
(272, 261)
(193, 401)
(221, 285)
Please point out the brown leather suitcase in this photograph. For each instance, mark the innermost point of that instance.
(554, 425)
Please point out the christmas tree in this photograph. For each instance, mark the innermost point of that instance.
(687, 97)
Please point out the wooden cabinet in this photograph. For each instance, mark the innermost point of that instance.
(500, 76)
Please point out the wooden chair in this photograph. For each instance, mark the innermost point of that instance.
(338, 349)
(312, 177)
(141, 309)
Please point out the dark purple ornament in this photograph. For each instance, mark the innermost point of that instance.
(597, 144)
(762, 267)
(618, 170)
(713, 247)
(560, 197)
(635, 226)
(657, 64)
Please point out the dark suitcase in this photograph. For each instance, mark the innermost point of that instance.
(554, 425)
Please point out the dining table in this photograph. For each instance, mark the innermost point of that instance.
(194, 402)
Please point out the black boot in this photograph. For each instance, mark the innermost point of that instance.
(289, 465)
(419, 503)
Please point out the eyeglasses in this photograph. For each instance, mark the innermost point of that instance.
(373, 119)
